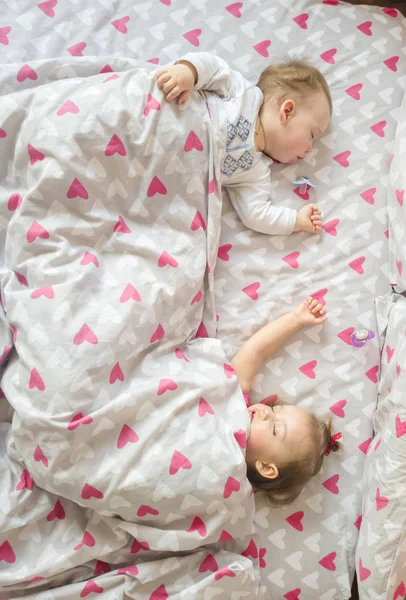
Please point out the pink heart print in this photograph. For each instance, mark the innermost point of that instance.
(77, 49)
(365, 28)
(241, 438)
(262, 562)
(399, 266)
(293, 594)
(46, 291)
(225, 536)
(121, 226)
(89, 258)
(357, 522)
(89, 492)
(331, 484)
(295, 520)
(130, 293)
(79, 419)
(372, 374)
(308, 369)
(319, 296)
(3, 134)
(357, 265)
(292, 259)
(338, 408)
(137, 546)
(4, 31)
(379, 128)
(193, 142)
(36, 381)
(235, 9)
(48, 7)
(158, 334)
(151, 104)
(262, 48)
(68, 107)
(34, 154)
(364, 573)
(368, 195)
(179, 461)
(7, 553)
(57, 512)
(193, 37)
(77, 190)
(223, 251)
(252, 290)
(204, 408)
(121, 24)
(208, 564)
(115, 146)
(331, 227)
(391, 12)
(160, 593)
(381, 501)
(232, 485)
(180, 355)
(342, 158)
(198, 222)
(36, 231)
(346, 334)
(132, 569)
(201, 331)
(197, 298)
(39, 456)
(224, 572)
(389, 353)
(354, 91)
(14, 202)
(365, 445)
(91, 587)
(328, 56)
(25, 481)
(26, 72)
(251, 550)
(85, 334)
(301, 20)
(87, 540)
(328, 561)
(400, 196)
(400, 426)
(166, 385)
(167, 260)
(199, 526)
(116, 373)
(391, 63)
(156, 187)
(127, 436)
(229, 371)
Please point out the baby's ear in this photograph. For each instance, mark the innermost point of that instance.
(287, 110)
(268, 470)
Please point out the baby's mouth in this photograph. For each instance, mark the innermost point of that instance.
(252, 415)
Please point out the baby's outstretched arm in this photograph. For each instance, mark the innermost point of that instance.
(268, 339)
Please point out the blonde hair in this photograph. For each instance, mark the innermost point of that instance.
(294, 75)
(293, 475)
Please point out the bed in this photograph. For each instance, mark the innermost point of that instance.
(114, 359)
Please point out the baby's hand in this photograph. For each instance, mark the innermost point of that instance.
(177, 81)
(308, 219)
(310, 312)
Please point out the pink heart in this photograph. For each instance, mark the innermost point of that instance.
(137, 546)
(85, 334)
(365, 27)
(3, 134)
(36, 381)
(224, 572)
(368, 195)
(209, 564)
(6, 352)
(154, 61)
(14, 202)
(398, 369)
(357, 264)
(46, 291)
(291, 259)
(223, 251)
(357, 522)
(120, 24)
(68, 107)
(158, 334)
(262, 48)
(204, 408)
(304, 196)
(389, 353)
(378, 443)
(193, 36)
(234, 9)
(391, 12)
(319, 296)
(111, 78)
(364, 573)
(57, 512)
(4, 31)
(295, 520)
(25, 481)
(251, 550)
(372, 374)
(365, 445)
(329, 55)
(225, 536)
(116, 373)
(192, 142)
(330, 227)
(127, 436)
(197, 298)
(26, 72)
(293, 594)
(48, 7)
(391, 63)
(166, 259)
(7, 553)
(77, 49)
(301, 20)
(89, 492)
(342, 158)
(201, 331)
(399, 196)
(331, 484)
(229, 371)
(378, 128)
(79, 419)
(338, 408)
(180, 355)
(89, 258)
(165, 385)
(252, 290)
(87, 540)
(91, 587)
(39, 456)
(212, 187)
(381, 501)
(241, 438)
(121, 226)
(34, 154)
(130, 293)
(77, 190)
(114, 146)
(399, 266)
(132, 569)
(178, 461)
(151, 104)
(346, 334)
(328, 561)
(308, 369)
(160, 593)
(156, 187)
(400, 426)
(354, 91)
(197, 222)
(144, 510)
(199, 526)
(232, 485)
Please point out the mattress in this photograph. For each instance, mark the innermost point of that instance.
(307, 549)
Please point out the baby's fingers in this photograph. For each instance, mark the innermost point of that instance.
(161, 78)
(318, 308)
(320, 320)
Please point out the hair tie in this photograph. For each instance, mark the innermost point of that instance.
(333, 442)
